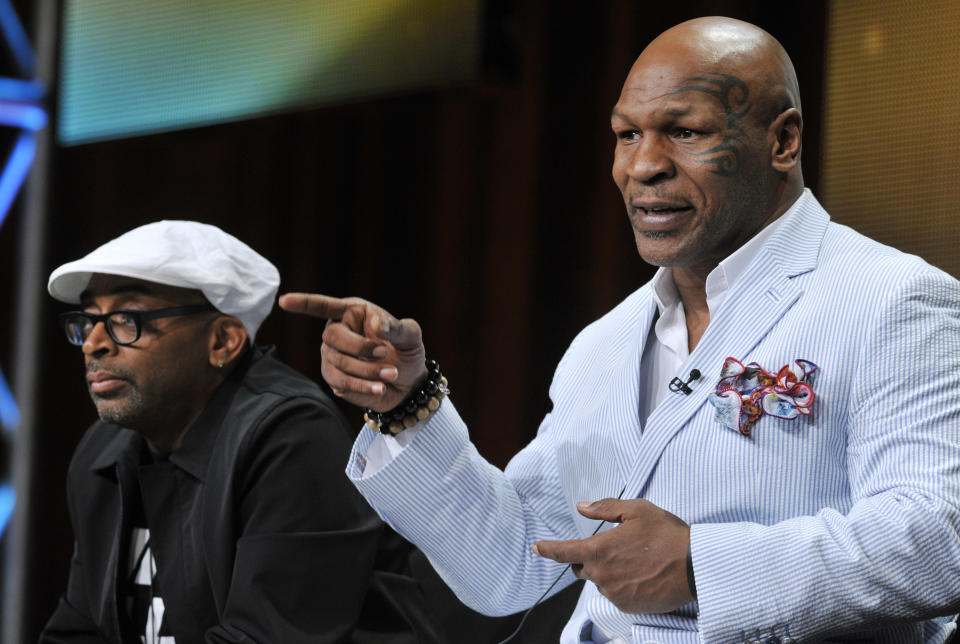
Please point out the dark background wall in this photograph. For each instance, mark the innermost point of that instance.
(485, 211)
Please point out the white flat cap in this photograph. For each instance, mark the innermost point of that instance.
(236, 279)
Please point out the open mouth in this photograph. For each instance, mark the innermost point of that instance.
(660, 217)
(661, 210)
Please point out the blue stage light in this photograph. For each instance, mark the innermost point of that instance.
(16, 39)
(9, 412)
(22, 115)
(8, 500)
(15, 171)
(16, 89)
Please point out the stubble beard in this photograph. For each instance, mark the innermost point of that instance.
(126, 411)
(657, 234)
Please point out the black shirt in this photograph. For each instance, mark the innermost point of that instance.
(257, 533)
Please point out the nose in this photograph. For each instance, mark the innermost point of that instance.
(98, 342)
(650, 161)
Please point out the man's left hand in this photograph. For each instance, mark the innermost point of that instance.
(639, 565)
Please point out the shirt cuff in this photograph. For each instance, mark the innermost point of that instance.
(383, 449)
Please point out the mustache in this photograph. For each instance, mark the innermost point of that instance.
(655, 195)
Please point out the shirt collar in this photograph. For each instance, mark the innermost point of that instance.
(664, 290)
(721, 278)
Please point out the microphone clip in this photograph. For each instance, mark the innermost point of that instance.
(678, 386)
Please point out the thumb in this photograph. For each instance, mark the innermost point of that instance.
(403, 334)
(613, 510)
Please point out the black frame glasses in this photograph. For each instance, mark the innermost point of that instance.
(78, 325)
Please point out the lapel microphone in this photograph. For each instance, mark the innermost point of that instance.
(678, 386)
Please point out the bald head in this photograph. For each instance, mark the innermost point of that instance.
(729, 46)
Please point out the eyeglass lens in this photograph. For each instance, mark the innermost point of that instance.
(121, 327)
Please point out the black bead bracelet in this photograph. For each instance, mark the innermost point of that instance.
(418, 406)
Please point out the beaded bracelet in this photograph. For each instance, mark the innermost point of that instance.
(418, 406)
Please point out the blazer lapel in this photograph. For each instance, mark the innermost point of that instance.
(624, 381)
(757, 300)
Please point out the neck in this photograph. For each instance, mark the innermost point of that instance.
(692, 287)
(691, 281)
(164, 437)
(167, 433)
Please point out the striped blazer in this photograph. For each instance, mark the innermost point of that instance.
(841, 523)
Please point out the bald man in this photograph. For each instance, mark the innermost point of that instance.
(765, 438)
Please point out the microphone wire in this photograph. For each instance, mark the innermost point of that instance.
(526, 614)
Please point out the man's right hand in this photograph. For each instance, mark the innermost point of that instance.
(370, 358)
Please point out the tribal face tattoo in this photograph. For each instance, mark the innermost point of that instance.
(734, 95)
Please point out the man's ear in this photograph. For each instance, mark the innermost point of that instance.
(786, 131)
(227, 341)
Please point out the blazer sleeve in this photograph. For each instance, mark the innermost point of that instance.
(474, 522)
(894, 557)
(71, 622)
(307, 540)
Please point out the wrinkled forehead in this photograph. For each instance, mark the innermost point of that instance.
(681, 90)
(685, 78)
(664, 66)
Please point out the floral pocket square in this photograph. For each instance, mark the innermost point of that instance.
(747, 392)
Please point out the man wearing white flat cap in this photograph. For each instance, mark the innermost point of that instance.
(208, 503)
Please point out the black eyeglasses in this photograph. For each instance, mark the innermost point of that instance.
(123, 327)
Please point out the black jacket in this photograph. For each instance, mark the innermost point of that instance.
(262, 538)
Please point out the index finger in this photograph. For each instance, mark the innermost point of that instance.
(315, 305)
(573, 551)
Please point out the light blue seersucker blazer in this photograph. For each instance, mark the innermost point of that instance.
(844, 521)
